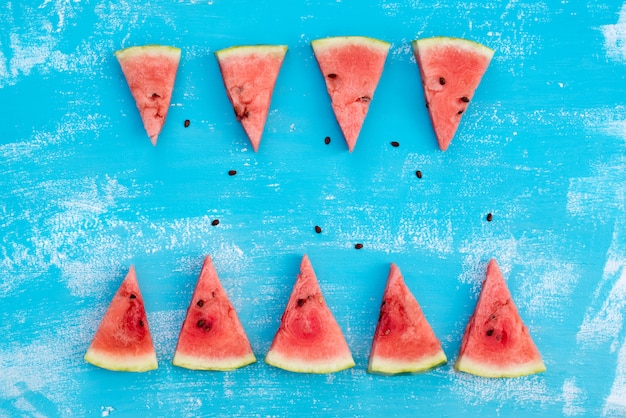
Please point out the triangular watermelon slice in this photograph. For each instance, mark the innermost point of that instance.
(249, 74)
(451, 69)
(150, 72)
(309, 339)
(123, 341)
(351, 66)
(496, 341)
(212, 338)
(404, 341)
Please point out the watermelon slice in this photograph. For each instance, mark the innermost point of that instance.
(351, 66)
(212, 337)
(249, 74)
(123, 341)
(309, 339)
(403, 341)
(451, 69)
(150, 72)
(496, 342)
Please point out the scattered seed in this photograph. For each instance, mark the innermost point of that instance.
(465, 99)
(387, 331)
(489, 217)
(141, 323)
(332, 75)
(395, 144)
(459, 112)
(489, 332)
(358, 246)
(207, 327)
(232, 172)
(132, 296)
(201, 323)
(213, 294)
(187, 122)
(318, 229)
(327, 140)
(155, 96)
(200, 303)
(427, 105)
(215, 222)
(364, 99)
(301, 302)
(418, 173)
(442, 81)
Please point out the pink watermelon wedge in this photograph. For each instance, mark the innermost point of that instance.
(123, 341)
(212, 338)
(496, 341)
(150, 72)
(309, 339)
(451, 69)
(351, 66)
(404, 341)
(249, 74)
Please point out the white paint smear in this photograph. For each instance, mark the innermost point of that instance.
(615, 38)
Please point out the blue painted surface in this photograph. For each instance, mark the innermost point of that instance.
(83, 195)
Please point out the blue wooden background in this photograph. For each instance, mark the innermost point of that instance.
(83, 195)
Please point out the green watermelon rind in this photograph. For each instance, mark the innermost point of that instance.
(388, 367)
(322, 43)
(154, 49)
(224, 365)
(478, 368)
(108, 361)
(243, 50)
(273, 358)
(436, 41)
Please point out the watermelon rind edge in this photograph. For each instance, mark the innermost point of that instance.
(224, 365)
(457, 42)
(244, 49)
(477, 368)
(388, 367)
(150, 48)
(341, 40)
(276, 359)
(107, 361)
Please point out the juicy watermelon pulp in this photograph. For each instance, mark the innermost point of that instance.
(212, 337)
(123, 341)
(404, 341)
(451, 69)
(150, 72)
(309, 339)
(249, 74)
(351, 66)
(496, 341)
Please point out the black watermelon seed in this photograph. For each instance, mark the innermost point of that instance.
(332, 75)
(459, 112)
(215, 222)
(358, 246)
(489, 332)
(141, 323)
(442, 81)
(427, 105)
(418, 173)
(232, 172)
(132, 296)
(395, 144)
(465, 99)
(327, 140)
(201, 323)
(318, 229)
(489, 217)
(200, 303)
(301, 302)
(187, 122)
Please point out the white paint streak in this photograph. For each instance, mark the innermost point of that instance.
(573, 398)
(615, 38)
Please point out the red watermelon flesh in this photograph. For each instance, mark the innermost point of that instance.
(249, 74)
(451, 69)
(150, 72)
(123, 341)
(309, 339)
(404, 341)
(351, 66)
(496, 341)
(212, 337)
